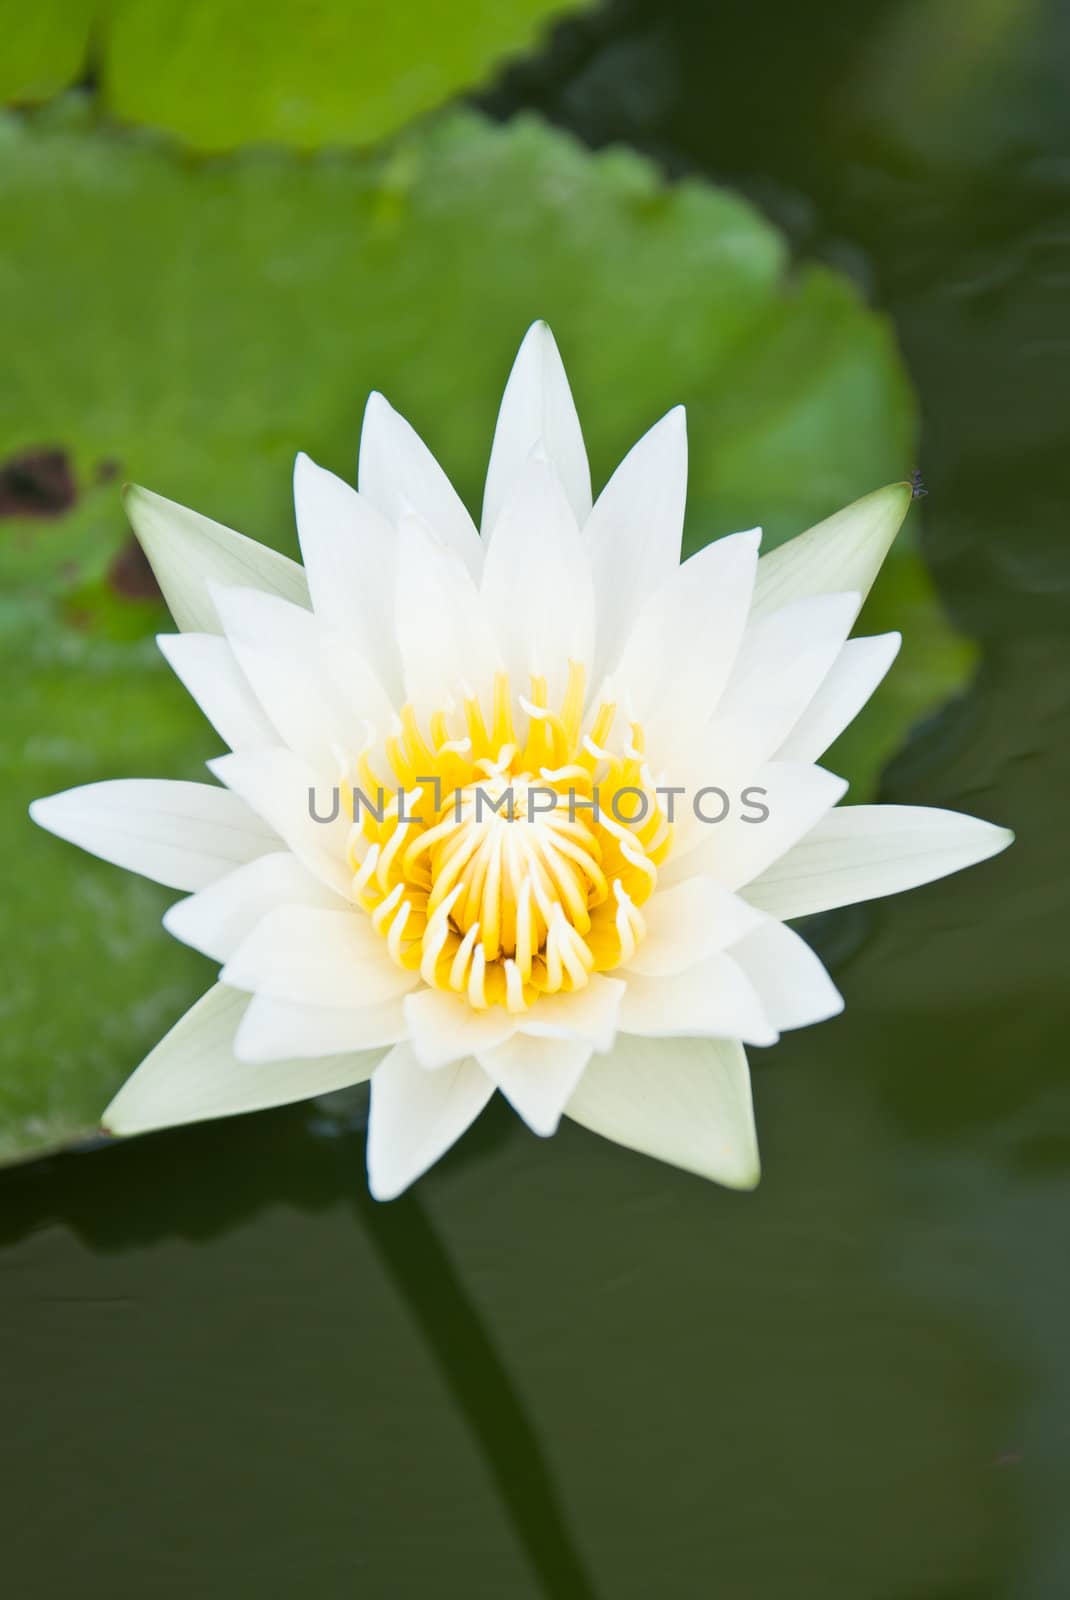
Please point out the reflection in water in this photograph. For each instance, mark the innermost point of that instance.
(479, 1384)
(254, 1165)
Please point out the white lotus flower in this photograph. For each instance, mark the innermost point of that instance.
(609, 965)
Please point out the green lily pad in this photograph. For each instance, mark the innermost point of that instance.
(222, 73)
(192, 325)
(45, 47)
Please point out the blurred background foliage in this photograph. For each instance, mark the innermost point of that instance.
(304, 73)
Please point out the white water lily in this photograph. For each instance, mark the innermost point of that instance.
(588, 956)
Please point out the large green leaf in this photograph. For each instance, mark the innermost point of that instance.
(192, 325)
(45, 47)
(221, 73)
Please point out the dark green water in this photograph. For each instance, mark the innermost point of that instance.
(556, 1369)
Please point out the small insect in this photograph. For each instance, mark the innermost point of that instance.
(918, 491)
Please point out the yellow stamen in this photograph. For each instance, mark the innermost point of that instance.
(523, 874)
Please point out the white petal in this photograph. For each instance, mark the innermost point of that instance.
(687, 922)
(680, 653)
(843, 552)
(853, 677)
(685, 1101)
(863, 852)
(193, 1073)
(444, 639)
(794, 796)
(416, 1116)
(280, 649)
(186, 550)
(206, 666)
(317, 958)
(184, 835)
(274, 1029)
(537, 1076)
(397, 471)
(348, 547)
(589, 1013)
(537, 587)
(537, 408)
(216, 920)
(790, 981)
(284, 790)
(356, 689)
(715, 997)
(444, 1027)
(782, 663)
(633, 534)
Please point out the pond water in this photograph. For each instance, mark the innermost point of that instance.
(556, 1369)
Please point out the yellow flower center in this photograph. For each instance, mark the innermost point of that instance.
(505, 867)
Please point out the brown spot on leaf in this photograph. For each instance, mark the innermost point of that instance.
(77, 616)
(130, 575)
(37, 483)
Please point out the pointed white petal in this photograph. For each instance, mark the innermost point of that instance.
(317, 958)
(687, 922)
(443, 636)
(205, 664)
(416, 1116)
(783, 660)
(280, 650)
(853, 677)
(793, 796)
(537, 586)
(444, 1027)
(682, 648)
(589, 1013)
(537, 1076)
(633, 534)
(398, 471)
(537, 408)
(184, 835)
(193, 1073)
(186, 550)
(790, 981)
(272, 1030)
(216, 920)
(348, 548)
(843, 552)
(285, 791)
(685, 1101)
(715, 997)
(356, 688)
(863, 852)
